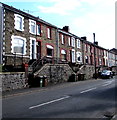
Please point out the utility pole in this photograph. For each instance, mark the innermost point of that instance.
(94, 57)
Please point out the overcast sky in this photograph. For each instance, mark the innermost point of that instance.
(84, 17)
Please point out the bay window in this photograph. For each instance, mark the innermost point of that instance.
(18, 45)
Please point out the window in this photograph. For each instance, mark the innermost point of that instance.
(73, 55)
(50, 51)
(38, 29)
(63, 55)
(19, 22)
(18, 45)
(69, 41)
(79, 57)
(32, 48)
(73, 42)
(49, 33)
(85, 47)
(89, 48)
(62, 39)
(100, 61)
(86, 59)
(32, 26)
(78, 43)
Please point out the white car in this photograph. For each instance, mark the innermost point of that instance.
(106, 74)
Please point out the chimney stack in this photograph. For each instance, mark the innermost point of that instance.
(84, 38)
(66, 28)
(96, 43)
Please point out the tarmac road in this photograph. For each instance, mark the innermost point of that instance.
(84, 99)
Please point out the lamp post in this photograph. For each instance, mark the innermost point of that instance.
(95, 76)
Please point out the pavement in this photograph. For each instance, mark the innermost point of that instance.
(29, 90)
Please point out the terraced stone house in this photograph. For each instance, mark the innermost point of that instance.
(25, 38)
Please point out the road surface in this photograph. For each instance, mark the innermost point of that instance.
(84, 99)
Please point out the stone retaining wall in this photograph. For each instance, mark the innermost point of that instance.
(87, 70)
(56, 73)
(10, 81)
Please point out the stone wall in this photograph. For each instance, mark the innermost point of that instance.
(114, 69)
(87, 70)
(56, 73)
(12, 81)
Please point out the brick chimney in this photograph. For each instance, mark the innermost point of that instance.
(66, 28)
(84, 38)
(96, 43)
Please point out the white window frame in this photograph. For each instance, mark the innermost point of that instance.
(78, 43)
(63, 51)
(13, 44)
(73, 42)
(87, 58)
(35, 50)
(51, 48)
(62, 39)
(100, 61)
(79, 54)
(16, 22)
(48, 32)
(38, 33)
(69, 41)
(73, 56)
(30, 24)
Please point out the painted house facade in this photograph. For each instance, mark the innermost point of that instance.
(25, 38)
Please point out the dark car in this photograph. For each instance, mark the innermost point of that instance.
(106, 74)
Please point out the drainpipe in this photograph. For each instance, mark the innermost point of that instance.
(57, 45)
(1, 33)
(94, 57)
(83, 52)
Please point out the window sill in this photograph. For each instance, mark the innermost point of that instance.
(20, 30)
(32, 33)
(49, 56)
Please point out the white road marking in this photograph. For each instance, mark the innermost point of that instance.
(88, 90)
(109, 81)
(106, 84)
(56, 100)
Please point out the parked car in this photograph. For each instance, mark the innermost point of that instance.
(106, 74)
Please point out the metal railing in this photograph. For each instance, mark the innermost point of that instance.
(37, 64)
